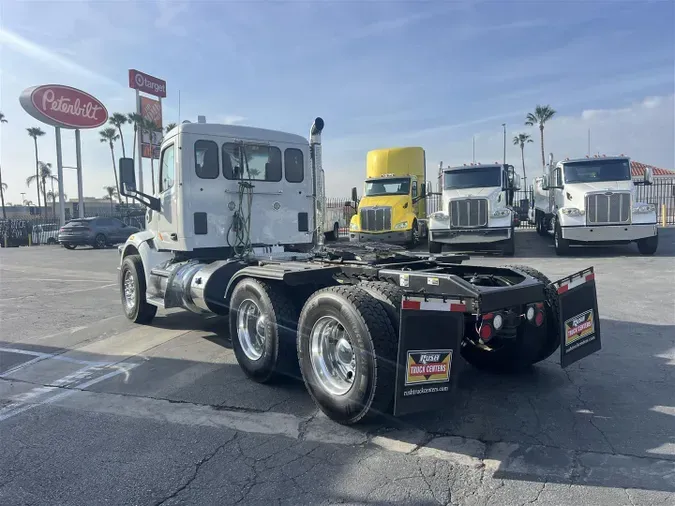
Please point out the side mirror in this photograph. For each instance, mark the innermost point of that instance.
(355, 196)
(423, 190)
(544, 182)
(127, 175)
(648, 176)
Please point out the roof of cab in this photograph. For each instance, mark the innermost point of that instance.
(240, 132)
(471, 166)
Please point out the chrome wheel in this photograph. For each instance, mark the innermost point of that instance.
(129, 290)
(332, 356)
(251, 324)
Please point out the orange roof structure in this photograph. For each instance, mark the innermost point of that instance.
(637, 169)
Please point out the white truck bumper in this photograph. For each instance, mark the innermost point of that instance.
(469, 236)
(609, 233)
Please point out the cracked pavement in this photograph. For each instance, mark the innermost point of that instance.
(95, 410)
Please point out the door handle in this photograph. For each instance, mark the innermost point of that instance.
(174, 237)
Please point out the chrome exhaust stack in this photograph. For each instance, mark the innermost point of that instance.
(318, 180)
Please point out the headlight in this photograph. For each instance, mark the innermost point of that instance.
(353, 226)
(440, 216)
(501, 213)
(401, 225)
(571, 211)
(644, 208)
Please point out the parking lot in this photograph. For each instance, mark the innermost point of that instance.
(96, 410)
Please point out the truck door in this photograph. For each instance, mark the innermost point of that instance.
(167, 223)
(418, 205)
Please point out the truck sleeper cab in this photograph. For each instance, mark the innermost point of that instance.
(593, 201)
(477, 209)
(373, 330)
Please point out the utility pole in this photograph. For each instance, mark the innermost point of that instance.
(473, 149)
(589, 142)
(504, 125)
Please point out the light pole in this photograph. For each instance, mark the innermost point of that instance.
(80, 197)
(504, 125)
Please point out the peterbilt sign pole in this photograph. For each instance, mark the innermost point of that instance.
(64, 107)
(146, 83)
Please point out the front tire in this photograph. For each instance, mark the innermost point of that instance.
(262, 323)
(334, 234)
(415, 238)
(562, 246)
(509, 246)
(69, 246)
(133, 291)
(435, 248)
(648, 245)
(347, 349)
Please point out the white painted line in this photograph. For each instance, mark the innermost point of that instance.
(59, 293)
(60, 280)
(39, 357)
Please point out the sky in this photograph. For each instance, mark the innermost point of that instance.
(435, 74)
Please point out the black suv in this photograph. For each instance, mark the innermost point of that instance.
(96, 232)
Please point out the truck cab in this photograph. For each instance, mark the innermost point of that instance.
(476, 208)
(593, 200)
(393, 206)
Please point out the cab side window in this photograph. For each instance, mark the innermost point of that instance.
(207, 163)
(558, 177)
(294, 165)
(167, 171)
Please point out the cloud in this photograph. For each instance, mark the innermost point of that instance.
(50, 58)
(167, 20)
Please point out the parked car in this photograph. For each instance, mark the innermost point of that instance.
(97, 232)
(45, 234)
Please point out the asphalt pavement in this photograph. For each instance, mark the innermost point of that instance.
(96, 410)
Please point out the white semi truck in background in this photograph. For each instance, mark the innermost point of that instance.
(593, 201)
(476, 208)
(236, 229)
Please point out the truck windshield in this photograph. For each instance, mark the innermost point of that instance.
(591, 171)
(389, 186)
(473, 177)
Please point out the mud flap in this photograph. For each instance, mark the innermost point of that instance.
(579, 319)
(428, 354)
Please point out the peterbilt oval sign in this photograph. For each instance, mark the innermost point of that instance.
(63, 106)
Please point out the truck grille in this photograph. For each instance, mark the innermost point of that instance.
(608, 208)
(469, 213)
(375, 219)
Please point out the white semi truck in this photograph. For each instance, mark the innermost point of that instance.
(236, 230)
(593, 201)
(476, 208)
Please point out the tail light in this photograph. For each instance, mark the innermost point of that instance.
(535, 314)
(489, 325)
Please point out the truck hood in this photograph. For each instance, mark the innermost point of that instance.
(384, 200)
(491, 193)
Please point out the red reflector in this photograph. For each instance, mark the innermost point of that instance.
(411, 304)
(488, 316)
(590, 277)
(563, 289)
(485, 332)
(539, 318)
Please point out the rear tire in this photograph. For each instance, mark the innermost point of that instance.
(51, 241)
(390, 296)
(648, 245)
(509, 246)
(262, 323)
(133, 291)
(372, 351)
(415, 239)
(69, 246)
(540, 224)
(528, 348)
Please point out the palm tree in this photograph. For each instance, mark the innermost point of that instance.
(52, 195)
(170, 127)
(110, 192)
(152, 129)
(521, 140)
(118, 119)
(3, 186)
(542, 113)
(36, 132)
(109, 135)
(135, 119)
(45, 172)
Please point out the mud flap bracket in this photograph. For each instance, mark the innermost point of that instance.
(579, 319)
(429, 360)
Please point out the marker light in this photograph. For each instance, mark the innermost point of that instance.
(497, 321)
(530, 313)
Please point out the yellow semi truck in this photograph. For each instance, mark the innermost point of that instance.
(393, 207)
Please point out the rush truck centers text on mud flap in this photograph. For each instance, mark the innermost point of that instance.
(579, 319)
(428, 353)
